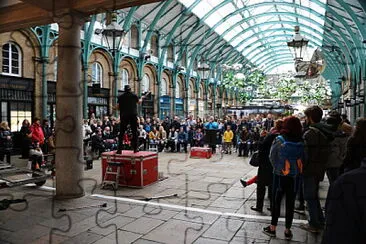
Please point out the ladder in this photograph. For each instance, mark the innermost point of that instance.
(109, 172)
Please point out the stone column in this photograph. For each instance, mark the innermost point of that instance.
(69, 101)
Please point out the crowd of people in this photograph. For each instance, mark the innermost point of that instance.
(294, 155)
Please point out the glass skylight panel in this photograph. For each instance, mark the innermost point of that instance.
(286, 8)
(212, 20)
(187, 3)
(226, 9)
(202, 8)
(222, 27)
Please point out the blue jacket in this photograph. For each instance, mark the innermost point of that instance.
(182, 136)
(211, 126)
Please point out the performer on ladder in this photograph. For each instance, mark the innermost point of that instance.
(127, 105)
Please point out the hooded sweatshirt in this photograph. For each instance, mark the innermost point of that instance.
(317, 141)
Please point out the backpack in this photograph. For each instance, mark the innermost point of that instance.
(290, 158)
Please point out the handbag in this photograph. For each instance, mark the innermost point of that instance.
(254, 160)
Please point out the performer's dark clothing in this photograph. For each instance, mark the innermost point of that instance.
(128, 116)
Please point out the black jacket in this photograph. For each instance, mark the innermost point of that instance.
(353, 155)
(265, 170)
(317, 141)
(346, 209)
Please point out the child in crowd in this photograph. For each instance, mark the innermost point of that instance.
(228, 139)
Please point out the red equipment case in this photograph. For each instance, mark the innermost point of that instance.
(201, 152)
(137, 169)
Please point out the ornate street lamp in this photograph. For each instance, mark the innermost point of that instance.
(203, 69)
(298, 43)
(114, 35)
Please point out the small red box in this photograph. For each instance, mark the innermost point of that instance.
(201, 152)
(138, 169)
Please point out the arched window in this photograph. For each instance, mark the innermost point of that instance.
(97, 74)
(164, 87)
(11, 59)
(177, 90)
(145, 86)
(124, 78)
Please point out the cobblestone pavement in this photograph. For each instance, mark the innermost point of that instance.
(211, 207)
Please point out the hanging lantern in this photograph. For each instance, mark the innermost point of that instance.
(113, 33)
(203, 69)
(298, 44)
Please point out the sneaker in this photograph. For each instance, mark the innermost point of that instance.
(288, 235)
(243, 182)
(310, 228)
(267, 230)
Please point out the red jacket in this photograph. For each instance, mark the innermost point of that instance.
(37, 133)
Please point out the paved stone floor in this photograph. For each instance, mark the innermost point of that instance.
(211, 207)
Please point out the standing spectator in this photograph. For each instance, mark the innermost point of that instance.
(191, 122)
(166, 124)
(176, 124)
(337, 146)
(228, 139)
(47, 132)
(317, 149)
(286, 156)
(26, 139)
(87, 132)
(211, 128)
(265, 169)
(345, 205)
(182, 140)
(243, 143)
(355, 145)
(268, 123)
(37, 132)
(6, 142)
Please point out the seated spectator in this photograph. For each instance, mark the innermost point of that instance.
(110, 142)
(97, 142)
(153, 135)
(172, 139)
(182, 140)
(162, 139)
(198, 138)
(142, 137)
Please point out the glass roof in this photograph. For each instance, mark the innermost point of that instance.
(262, 27)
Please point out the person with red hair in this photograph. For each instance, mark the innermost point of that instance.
(286, 156)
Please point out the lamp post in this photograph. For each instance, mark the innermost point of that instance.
(114, 35)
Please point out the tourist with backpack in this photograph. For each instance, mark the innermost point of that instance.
(317, 140)
(286, 156)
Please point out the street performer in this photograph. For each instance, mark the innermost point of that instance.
(127, 105)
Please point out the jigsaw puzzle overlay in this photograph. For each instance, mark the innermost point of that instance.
(198, 200)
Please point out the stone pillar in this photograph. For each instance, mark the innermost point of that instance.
(69, 100)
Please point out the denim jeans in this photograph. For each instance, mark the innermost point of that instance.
(311, 195)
